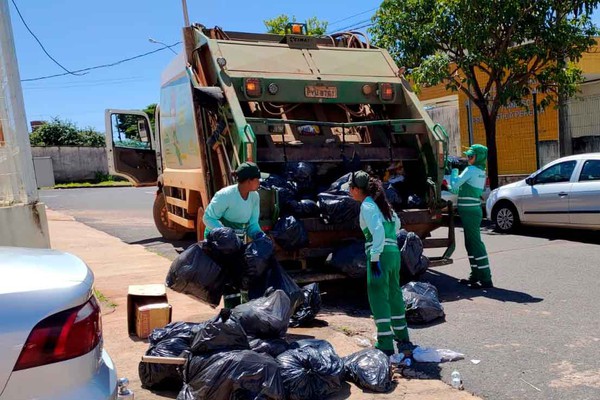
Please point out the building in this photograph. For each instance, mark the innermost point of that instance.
(515, 128)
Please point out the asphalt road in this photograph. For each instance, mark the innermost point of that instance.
(536, 335)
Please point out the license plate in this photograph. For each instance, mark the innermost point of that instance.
(321, 92)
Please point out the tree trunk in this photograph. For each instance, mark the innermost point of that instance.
(489, 123)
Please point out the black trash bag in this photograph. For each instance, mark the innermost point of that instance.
(273, 180)
(392, 196)
(412, 250)
(257, 255)
(222, 334)
(272, 347)
(286, 193)
(414, 201)
(163, 376)
(224, 241)
(304, 208)
(183, 330)
(350, 259)
(301, 174)
(338, 208)
(194, 273)
(309, 308)
(422, 304)
(234, 375)
(370, 369)
(265, 317)
(277, 278)
(401, 238)
(290, 233)
(311, 370)
(341, 185)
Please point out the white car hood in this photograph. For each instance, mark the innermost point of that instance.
(35, 284)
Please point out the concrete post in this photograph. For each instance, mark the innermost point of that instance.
(22, 218)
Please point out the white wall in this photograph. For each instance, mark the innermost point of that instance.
(74, 164)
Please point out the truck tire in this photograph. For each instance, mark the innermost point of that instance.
(159, 212)
(505, 217)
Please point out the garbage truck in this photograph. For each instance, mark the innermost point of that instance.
(335, 102)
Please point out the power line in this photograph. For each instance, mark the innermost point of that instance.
(40, 43)
(354, 25)
(352, 16)
(103, 65)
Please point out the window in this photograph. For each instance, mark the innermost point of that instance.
(590, 171)
(130, 131)
(557, 173)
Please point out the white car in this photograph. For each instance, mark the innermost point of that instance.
(564, 193)
(51, 344)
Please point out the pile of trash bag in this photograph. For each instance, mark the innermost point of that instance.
(370, 369)
(257, 256)
(290, 233)
(194, 273)
(309, 307)
(311, 370)
(422, 304)
(413, 262)
(272, 347)
(301, 174)
(304, 208)
(278, 279)
(350, 259)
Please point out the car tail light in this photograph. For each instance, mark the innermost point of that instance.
(386, 91)
(63, 336)
(252, 87)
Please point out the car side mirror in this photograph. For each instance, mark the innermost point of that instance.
(530, 181)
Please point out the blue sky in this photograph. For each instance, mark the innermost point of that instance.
(80, 34)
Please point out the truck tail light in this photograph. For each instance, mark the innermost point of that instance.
(252, 87)
(63, 336)
(386, 91)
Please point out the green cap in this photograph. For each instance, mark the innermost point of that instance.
(480, 152)
(360, 179)
(247, 170)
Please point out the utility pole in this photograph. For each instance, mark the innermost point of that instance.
(22, 218)
(186, 18)
(536, 132)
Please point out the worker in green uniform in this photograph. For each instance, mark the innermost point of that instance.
(469, 186)
(380, 225)
(237, 207)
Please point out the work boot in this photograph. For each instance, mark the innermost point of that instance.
(481, 285)
(405, 346)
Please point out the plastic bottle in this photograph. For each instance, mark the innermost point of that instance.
(456, 380)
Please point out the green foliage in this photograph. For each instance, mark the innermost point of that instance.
(277, 25)
(515, 45)
(65, 133)
(151, 110)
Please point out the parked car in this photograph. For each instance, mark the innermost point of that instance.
(51, 343)
(564, 193)
(459, 163)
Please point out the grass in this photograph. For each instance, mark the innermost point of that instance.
(346, 330)
(89, 184)
(104, 300)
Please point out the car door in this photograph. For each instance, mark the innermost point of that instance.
(584, 200)
(130, 148)
(546, 200)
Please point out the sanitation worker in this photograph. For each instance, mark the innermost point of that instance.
(238, 207)
(380, 225)
(469, 186)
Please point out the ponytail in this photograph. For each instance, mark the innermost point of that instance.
(375, 190)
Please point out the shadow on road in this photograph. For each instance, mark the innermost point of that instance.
(450, 290)
(178, 245)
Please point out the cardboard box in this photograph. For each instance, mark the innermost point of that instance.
(142, 295)
(151, 316)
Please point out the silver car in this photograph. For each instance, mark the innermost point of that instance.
(51, 330)
(564, 193)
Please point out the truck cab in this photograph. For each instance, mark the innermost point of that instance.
(334, 102)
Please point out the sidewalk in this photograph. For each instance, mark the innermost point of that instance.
(117, 265)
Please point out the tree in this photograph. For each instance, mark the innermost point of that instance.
(151, 110)
(127, 124)
(65, 133)
(278, 24)
(494, 51)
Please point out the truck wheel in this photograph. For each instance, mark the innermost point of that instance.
(200, 227)
(506, 217)
(161, 220)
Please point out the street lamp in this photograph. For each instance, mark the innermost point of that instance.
(164, 44)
